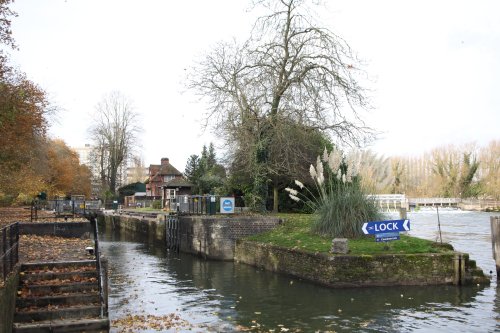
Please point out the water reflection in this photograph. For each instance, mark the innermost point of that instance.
(224, 297)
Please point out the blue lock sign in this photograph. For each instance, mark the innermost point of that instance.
(227, 205)
(372, 228)
(386, 231)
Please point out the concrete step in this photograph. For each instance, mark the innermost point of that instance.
(50, 313)
(59, 297)
(55, 289)
(74, 298)
(44, 266)
(63, 326)
(50, 264)
(63, 277)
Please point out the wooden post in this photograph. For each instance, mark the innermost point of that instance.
(495, 241)
(402, 213)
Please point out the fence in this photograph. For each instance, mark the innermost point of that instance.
(9, 247)
(193, 204)
(64, 208)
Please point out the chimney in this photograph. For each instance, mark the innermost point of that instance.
(164, 161)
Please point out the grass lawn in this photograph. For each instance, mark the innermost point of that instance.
(294, 233)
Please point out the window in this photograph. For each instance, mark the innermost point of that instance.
(170, 193)
(168, 178)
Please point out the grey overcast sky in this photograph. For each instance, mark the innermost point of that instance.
(433, 65)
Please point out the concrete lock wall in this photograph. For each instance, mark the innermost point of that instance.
(360, 271)
(212, 237)
(8, 301)
(59, 229)
(153, 229)
(215, 237)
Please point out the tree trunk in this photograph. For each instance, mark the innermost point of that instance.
(275, 198)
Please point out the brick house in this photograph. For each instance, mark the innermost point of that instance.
(166, 181)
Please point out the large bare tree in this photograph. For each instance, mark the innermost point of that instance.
(114, 134)
(290, 70)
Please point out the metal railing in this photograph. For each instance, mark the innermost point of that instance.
(9, 247)
(103, 296)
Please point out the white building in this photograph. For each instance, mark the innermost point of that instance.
(84, 154)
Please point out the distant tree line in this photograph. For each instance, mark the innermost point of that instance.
(465, 171)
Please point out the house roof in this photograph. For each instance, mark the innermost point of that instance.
(177, 182)
(169, 169)
(163, 170)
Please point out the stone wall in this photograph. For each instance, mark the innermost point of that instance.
(215, 237)
(360, 271)
(208, 236)
(8, 300)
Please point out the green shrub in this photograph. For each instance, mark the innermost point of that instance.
(156, 204)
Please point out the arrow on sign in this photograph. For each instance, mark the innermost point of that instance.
(372, 228)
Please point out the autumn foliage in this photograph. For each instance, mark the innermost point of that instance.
(30, 162)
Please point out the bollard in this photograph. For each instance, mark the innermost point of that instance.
(495, 241)
(339, 246)
(459, 269)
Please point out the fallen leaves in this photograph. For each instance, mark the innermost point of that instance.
(131, 322)
(34, 248)
(10, 215)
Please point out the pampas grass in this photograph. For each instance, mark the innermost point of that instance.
(341, 206)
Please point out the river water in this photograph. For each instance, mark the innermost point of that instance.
(225, 297)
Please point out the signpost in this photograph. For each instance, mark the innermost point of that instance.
(385, 231)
